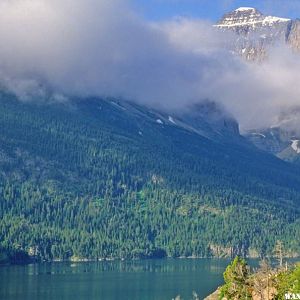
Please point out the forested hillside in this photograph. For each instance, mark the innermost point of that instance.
(95, 179)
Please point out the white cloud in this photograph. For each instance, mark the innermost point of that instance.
(90, 47)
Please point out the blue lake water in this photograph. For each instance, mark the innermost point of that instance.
(129, 280)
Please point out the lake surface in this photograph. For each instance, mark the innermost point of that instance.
(134, 280)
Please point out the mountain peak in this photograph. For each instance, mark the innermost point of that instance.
(243, 9)
(249, 17)
(256, 32)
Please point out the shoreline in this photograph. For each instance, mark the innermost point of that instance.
(34, 261)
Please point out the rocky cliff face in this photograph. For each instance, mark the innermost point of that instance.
(282, 139)
(211, 118)
(256, 32)
(293, 35)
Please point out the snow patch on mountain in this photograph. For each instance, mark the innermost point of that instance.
(172, 120)
(245, 9)
(295, 146)
(271, 20)
(259, 134)
(267, 21)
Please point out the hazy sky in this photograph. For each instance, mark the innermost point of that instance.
(109, 48)
(213, 9)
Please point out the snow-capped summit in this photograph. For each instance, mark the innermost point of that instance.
(295, 146)
(245, 9)
(255, 31)
(249, 17)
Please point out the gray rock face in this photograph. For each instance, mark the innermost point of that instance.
(282, 140)
(293, 35)
(209, 120)
(273, 140)
(255, 32)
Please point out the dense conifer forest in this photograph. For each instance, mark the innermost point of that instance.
(92, 179)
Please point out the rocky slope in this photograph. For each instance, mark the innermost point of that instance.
(293, 35)
(280, 141)
(256, 32)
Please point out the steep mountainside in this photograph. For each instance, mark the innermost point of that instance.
(100, 178)
(293, 35)
(256, 33)
(281, 140)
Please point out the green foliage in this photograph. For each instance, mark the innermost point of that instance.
(236, 279)
(78, 180)
(241, 284)
(288, 282)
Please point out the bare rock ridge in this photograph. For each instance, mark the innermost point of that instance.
(257, 32)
